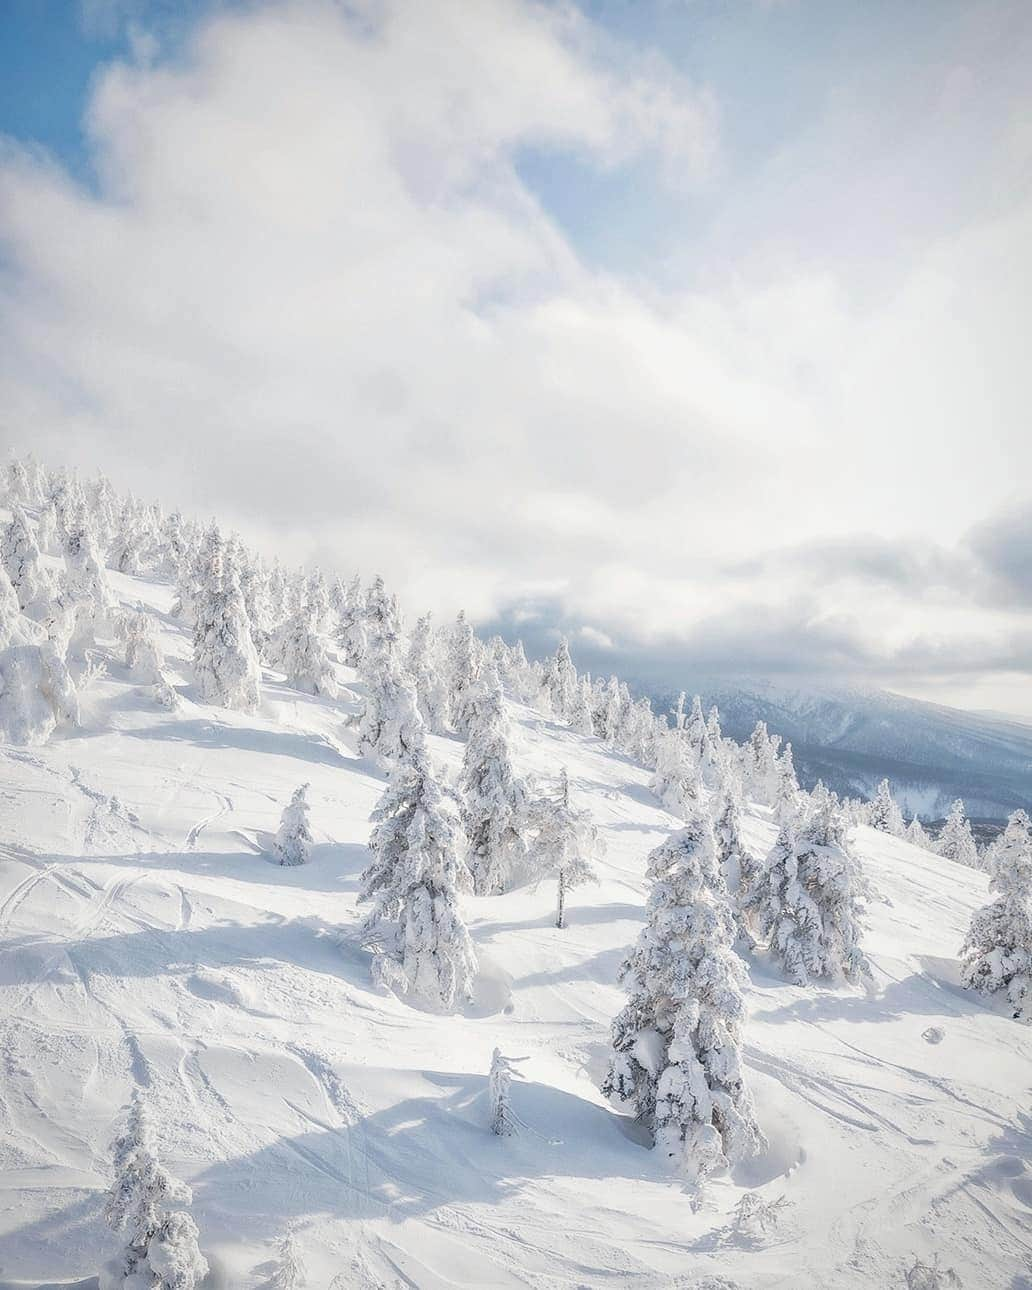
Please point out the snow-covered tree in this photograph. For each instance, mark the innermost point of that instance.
(916, 835)
(760, 765)
(787, 793)
(955, 840)
(463, 670)
(36, 690)
(293, 842)
(160, 1250)
(494, 799)
(499, 1089)
(884, 814)
(382, 617)
(426, 669)
(144, 658)
(806, 898)
(579, 712)
(561, 681)
(390, 728)
(997, 954)
(225, 659)
(738, 867)
(414, 877)
(676, 780)
(352, 631)
(20, 556)
(299, 651)
(290, 1273)
(565, 843)
(677, 1044)
(86, 583)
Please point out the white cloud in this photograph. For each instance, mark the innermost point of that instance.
(312, 294)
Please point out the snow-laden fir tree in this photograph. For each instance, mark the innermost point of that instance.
(20, 557)
(225, 659)
(382, 617)
(760, 765)
(884, 814)
(415, 875)
(86, 584)
(494, 798)
(463, 671)
(738, 867)
(293, 841)
(579, 712)
(788, 796)
(997, 954)
(291, 1273)
(677, 1044)
(390, 728)
(352, 631)
(36, 689)
(565, 843)
(144, 658)
(561, 682)
(917, 836)
(298, 649)
(955, 840)
(806, 898)
(426, 668)
(676, 780)
(499, 1090)
(160, 1250)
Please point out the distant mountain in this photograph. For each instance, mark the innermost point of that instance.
(851, 737)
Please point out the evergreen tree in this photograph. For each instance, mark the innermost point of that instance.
(955, 840)
(86, 582)
(299, 651)
(499, 1087)
(144, 658)
(561, 681)
(738, 867)
(677, 1044)
(425, 668)
(225, 659)
(36, 689)
(565, 843)
(806, 899)
(676, 781)
(161, 1250)
(759, 758)
(390, 728)
(382, 618)
(463, 669)
(291, 1273)
(414, 877)
(997, 953)
(293, 843)
(579, 713)
(917, 837)
(494, 799)
(884, 814)
(352, 632)
(20, 557)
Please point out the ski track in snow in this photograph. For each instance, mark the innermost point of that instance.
(287, 1089)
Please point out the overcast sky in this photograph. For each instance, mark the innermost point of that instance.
(698, 329)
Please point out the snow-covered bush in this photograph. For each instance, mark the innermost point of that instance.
(677, 1044)
(806, 898)
(416, 928)
(565, 843)
(499, 1091)
(494, 799)
(293, 842)
(955, 840)
(997, 954)
(160, 1250)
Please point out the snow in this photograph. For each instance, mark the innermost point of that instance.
(148, 940)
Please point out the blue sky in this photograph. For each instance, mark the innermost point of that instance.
(692, 328)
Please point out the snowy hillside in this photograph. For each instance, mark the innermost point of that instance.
(147, 940)
(852, 737)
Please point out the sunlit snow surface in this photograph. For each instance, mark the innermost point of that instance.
(147, 940)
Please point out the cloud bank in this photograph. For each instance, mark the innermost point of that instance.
(312, 290)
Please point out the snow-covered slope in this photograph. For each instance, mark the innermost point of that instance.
(853, 736)
(147, 940)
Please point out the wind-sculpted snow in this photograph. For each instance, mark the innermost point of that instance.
(149, 941)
